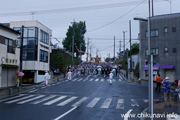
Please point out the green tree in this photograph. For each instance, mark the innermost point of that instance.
(79, 31)
(134, 49)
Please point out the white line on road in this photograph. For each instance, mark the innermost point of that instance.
(12, 97)
(61, 116)
(97, 80)
(20, 99)
(67, 101)
(119, 80)
(120, 104)
(102, 80)
(134, 102)
(106, 103)
(55, 100)
(127, 114)
(80, 79)
(31, 99)
(33, 91)
(93, 102)
(43, 87)
(74, 79)
(145, 100)
(91, 79)
(44, 99)
(78, 103)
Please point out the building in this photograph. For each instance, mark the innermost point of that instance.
(9, 55)
(165, 34)
(36, 49)
(135, 60)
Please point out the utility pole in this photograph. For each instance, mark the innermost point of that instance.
(152, 8)
(130, 45)
(21, 53)
(114, 48)
(90, 52)
(124, 32)
(73, 43)
(87, 48)
(150, 62)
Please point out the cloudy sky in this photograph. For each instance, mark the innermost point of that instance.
(104, 18)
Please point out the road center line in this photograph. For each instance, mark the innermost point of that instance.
(61, 116)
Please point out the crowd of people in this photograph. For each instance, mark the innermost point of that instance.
(95, 69)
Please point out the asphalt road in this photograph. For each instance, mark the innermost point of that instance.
(82, 98)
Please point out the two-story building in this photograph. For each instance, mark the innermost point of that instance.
(36, 49)
(165, 42)
(9, 56)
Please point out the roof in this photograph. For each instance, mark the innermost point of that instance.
(166, 16)
(8, 28)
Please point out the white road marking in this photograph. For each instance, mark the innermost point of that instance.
(33, 91)
(61, 116)
(12, 98)
(106, 103)
(55, 100)
(74, 79)
(80, 79)
(120, 104)
(44, 99)
(145, 100)
(28, 100)
(93, 102)
(134, 102)
(97, 80)
(91, 79)
(20, 99)
(67, 101)
(43, 87)
(78, 103)
(102, 80)
(119, 80)
(127, 114)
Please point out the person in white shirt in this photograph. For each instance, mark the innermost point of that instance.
(46, 77)
(110, 77)
(69, 75)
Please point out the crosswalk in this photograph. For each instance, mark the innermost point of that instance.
(74, 101)
(95, 80)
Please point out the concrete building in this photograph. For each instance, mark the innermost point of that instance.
(165, 34)
(9, 56)
(36, 49)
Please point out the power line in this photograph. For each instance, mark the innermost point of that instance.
(117, 18)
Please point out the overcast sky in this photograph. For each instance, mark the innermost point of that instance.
(104, 18)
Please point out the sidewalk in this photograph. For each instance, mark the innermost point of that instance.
(160, 110)
(10, 91)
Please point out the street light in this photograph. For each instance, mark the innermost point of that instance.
(150, 66)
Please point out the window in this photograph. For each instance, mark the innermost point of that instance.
(44, 37)
(165, 30)
(173, 29)
(165, 49)
(10, 45)
(43, 56)
(30, 42)
(154, 51)
(174, 50)
(154, 33)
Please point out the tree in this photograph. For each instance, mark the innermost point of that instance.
(134, 49)
(79, 31)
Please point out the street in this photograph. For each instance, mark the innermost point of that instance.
(82, 98)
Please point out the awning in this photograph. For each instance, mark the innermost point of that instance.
(155, 67)
(168, 67)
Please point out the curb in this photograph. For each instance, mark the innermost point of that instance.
(29, 89)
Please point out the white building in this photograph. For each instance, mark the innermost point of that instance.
(135, 60)
(36, 49)
(9, 56)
